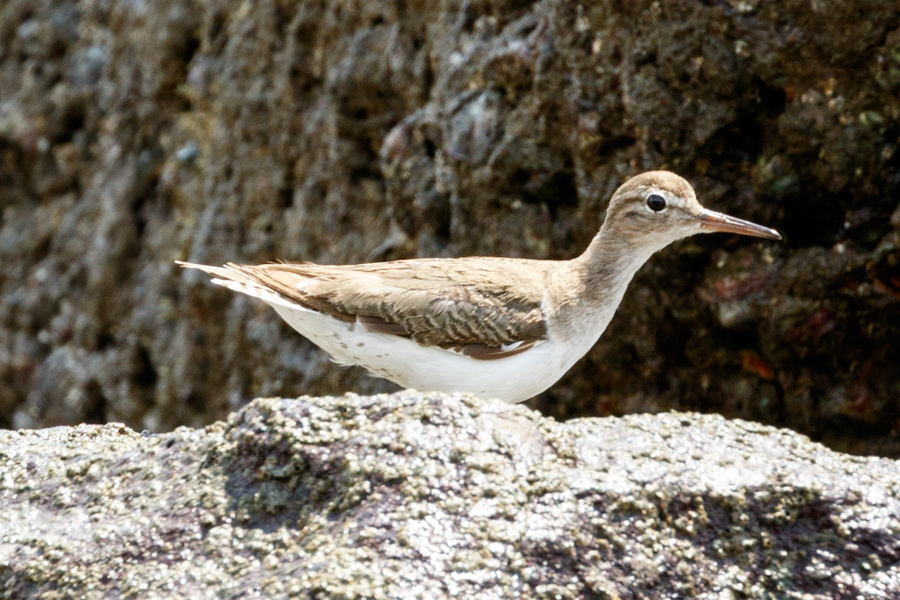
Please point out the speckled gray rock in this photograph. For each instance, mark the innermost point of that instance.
(430, 496)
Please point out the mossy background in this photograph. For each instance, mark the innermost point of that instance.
(136, 133)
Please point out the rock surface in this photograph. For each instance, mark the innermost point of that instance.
(430, 496)
(136, 133)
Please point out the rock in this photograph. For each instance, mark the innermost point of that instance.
(136, 133)
(411, 495)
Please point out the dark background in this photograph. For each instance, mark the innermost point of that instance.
(136, 133)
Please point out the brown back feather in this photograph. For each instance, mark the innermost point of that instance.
(422, 299)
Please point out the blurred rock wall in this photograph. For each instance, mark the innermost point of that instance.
(136, 133)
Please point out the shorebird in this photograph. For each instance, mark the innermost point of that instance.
(502, 328)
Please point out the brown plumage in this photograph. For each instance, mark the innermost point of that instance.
(474, 309)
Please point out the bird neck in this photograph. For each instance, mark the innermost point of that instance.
(610, 262)
(588, 289)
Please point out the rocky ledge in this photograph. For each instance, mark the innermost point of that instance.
(426, 495)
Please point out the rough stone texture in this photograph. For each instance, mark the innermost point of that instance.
(411, 496)
(136, 133)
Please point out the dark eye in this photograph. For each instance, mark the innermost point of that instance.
(655, 202)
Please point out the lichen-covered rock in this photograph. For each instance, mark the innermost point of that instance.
(136, 133)
(430, 496)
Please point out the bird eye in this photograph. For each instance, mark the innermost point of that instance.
(655, 202)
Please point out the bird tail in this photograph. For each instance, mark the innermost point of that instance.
(236, 279)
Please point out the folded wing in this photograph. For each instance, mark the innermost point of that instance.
(491, 316)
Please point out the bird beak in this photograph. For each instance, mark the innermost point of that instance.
(713, 221)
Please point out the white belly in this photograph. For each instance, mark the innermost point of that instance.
(403, 361)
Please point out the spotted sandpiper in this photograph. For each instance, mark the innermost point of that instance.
(496, 327)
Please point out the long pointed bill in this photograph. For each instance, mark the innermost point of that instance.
(714, 221)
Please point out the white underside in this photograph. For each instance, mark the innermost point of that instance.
(403, 361)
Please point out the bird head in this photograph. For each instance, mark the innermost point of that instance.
(656, 208)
